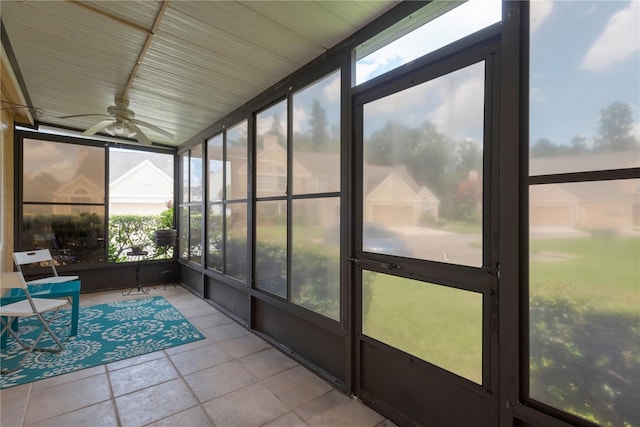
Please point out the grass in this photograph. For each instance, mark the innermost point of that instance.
(461, 227)
(601, 272)
(444, 326)
(435, 323)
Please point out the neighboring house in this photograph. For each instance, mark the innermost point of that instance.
(85, 186)
(143, 190)
(393, 198)
(79, 190)
(591, 205)
(139, 184)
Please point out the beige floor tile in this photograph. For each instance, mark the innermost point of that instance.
(290, 419)
(154, 403)
(296, 386)
(218, 380)
(186, 301)
(267, 362)
(387, 423)
(99, 415)
(187, 347)
(250, 406)
(53, 401)
(258, 389)
(142, 375)
(322, 404)
(143, 358)
(225, 332)
(199, 358)
(358, 414)
(211, 320)
(13, 404)
(244, 345)
(194, 417)
(70, 377)
(198, 310)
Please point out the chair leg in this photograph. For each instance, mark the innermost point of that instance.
(33, 347)
(7, 327)
(48, 329)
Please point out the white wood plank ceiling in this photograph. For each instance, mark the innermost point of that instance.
(202, 60)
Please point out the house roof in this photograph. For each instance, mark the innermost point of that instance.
(584, 162)
(121, 163)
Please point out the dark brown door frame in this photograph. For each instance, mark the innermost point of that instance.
(482, 280)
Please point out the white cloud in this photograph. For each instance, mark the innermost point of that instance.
(619, 40)
(402, 103)
(42, 159)
(332, 90)
(536, 95)
(540, 11)
(461, 115)
(299, 118)
(635, 130)
(263, 124)
(454, 103)
(465, 19)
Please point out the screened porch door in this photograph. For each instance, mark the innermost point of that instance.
(425, 261)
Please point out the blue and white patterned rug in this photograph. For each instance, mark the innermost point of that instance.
(106, 333)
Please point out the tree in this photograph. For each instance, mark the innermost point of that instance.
(544, 148)
(380, 146)
(276, 129)
(578, 145)
(469, 158)
(318, 122)
(467, 198)
(615, 130)
(276, 126)
(430, 159)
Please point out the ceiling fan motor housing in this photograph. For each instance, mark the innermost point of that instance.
(121, 110)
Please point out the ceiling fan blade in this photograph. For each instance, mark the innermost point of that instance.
(153, 128)
(98, 126)
(140, 136)
(84, 115)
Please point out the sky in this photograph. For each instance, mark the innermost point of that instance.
(462, 21)
(584, 56)
(326, 91)
(594, 46)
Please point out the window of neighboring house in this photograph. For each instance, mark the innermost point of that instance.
(584, 244)
(298, 198)
(227, 202)
(63, 200)
(190, 209)
(426, 30)
(140, 202)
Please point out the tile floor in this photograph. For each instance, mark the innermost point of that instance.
(232, 378)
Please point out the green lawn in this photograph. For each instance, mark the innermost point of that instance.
(438, 324)
(444, 326)
(601, 272)
(461, 227)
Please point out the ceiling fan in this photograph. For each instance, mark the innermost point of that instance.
(121, 121)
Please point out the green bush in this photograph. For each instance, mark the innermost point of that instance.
(584, 361)
(311, 285)
(128, 231)
(71, 238)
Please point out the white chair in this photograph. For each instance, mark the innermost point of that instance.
(27, 308)
(40, 256)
